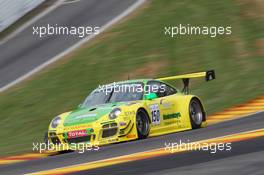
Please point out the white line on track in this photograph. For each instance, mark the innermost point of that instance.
(70, 1)
(72, 48)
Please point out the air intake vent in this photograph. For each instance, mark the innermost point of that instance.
(92, 109)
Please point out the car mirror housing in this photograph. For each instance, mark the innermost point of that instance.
(151, 96)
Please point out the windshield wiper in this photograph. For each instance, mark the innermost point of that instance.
(108, 99)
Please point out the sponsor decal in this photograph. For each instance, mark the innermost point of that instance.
(112, 140)
(128, 113)
(74, 134)
(169, 123)
(177, 122)
(103, 142)
(155, 114)
(78, 127)
(122, 123)
(129, 136)
(126, 118)
(172, 116)
(131, 103)
(166, 105)
(86, 115)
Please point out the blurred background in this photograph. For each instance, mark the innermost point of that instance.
(137, 47)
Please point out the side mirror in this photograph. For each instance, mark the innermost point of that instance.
(151, 96)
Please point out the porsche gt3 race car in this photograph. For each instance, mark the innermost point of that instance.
(129, 110)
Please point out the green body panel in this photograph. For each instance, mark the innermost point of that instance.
(88, 115)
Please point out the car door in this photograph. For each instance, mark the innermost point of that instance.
(162, 106)
(171, 117)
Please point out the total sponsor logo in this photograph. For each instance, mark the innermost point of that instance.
(74, 134)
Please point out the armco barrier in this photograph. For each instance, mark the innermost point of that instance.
(12, 10)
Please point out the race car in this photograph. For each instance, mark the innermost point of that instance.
(129, 110)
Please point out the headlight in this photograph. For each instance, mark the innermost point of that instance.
(114, 113)
(55, 122)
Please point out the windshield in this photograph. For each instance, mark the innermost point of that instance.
(115, 93)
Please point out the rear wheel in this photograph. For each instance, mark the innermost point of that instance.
(196, 113)
(142, 123)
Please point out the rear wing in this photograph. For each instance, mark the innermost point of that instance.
(208, 75)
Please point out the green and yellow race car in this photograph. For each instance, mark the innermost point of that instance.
(129, 110)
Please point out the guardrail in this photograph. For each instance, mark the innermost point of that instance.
(12, 10)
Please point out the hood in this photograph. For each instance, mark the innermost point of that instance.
(89, 114)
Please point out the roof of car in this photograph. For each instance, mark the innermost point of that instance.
(144, 81)
(132, 81)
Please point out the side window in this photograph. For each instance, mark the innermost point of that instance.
(161, 89)
(169, 90)
(153, 87)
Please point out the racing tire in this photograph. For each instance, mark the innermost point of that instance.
(196, 113)
(142, 124)
(46, 141)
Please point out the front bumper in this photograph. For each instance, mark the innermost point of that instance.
(97, 134)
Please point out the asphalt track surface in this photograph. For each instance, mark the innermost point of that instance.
(24, 52)
(245, 155)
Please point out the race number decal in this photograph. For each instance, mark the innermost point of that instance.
(155, 114)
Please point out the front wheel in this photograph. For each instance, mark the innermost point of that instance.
(196, 113)
(142, 123)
